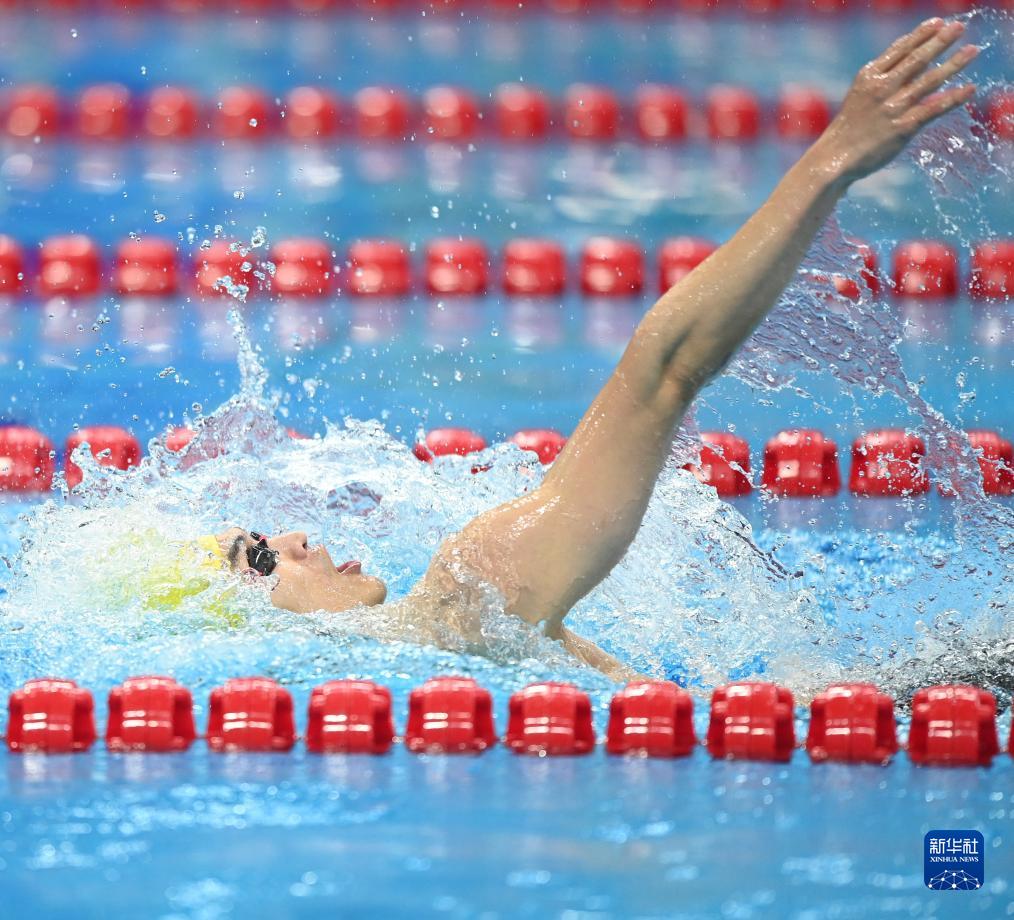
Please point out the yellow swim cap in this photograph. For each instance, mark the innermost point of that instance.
(168, 579)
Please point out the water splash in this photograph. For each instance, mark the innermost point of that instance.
(700, 596)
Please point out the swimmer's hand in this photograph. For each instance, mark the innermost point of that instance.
(894, 97)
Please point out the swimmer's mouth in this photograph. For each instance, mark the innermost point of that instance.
(352, 567)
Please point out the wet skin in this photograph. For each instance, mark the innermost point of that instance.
(544, 551)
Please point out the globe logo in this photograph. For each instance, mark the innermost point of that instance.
(953, 860)
(950, 880)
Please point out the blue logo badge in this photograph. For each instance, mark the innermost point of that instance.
(954, 860)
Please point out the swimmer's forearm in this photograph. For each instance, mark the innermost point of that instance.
(593, 656)
(697, 325)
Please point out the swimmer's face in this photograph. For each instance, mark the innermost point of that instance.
(308, 580)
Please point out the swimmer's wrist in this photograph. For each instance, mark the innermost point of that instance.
(827, 168)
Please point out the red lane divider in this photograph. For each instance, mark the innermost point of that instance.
(925, 269)
(111, 446)
(50, 715)
(150, 714)
(550, 718)
(952, 725)
(26, 460)
(446, 442)
(544, 442)
(852, 723)
(72, 266)
(656, 113)
(250, 714)
(801, 463)
(751, 721)
(888, 462)
(450, 715)
(652, 718)
(349, 717)
(724, 464)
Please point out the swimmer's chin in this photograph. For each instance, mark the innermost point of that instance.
(351, 592)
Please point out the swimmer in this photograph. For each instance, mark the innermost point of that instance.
(546, 550)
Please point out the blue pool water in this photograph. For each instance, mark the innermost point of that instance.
(906, 593)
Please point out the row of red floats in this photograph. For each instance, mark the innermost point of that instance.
(512, 8)
(951, 725)
(73, 266)
(797, 463)
(517, 112)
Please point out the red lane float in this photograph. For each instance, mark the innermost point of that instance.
(724, 463)
(50, 715)
(31, 111)
(222, 270)
(456, 267)
(925, 268)
(545, 442)
(450, 715)
(848, 286)
(550, 718)
(751, 721)
(1000, 115)
(852, 723)
(145, 267)
(679, 256)
(801, 462)
(992, 275)
(888, 462)
(12, 267)
(110, 446)
(241, 113)
(349, 717)
(520, 113)
(611, 267)
(652, 718)
(445, 442)
(534, 268)
(311, 114)
(996, 461)
(661, 113)
(171, 113)
(250, 714)
(103, 113)
(303, 268)
(590, 112)
(378, 268)
(26, 460)
(69, 266)
(733, 114)
(802, 114)
(178, 438)
(953, 726)
(381, 114)
(449, 114)
(150, 714)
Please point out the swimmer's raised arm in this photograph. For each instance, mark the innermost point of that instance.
(548, 549)
(698, 324)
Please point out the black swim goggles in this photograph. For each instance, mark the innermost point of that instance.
(259, 557)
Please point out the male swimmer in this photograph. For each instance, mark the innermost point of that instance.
(546, 550)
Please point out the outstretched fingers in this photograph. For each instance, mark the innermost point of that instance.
(903, 46)
(936, 105)
(917, 60)
(933, 79)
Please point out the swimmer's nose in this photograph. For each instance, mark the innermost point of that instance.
(292, 544)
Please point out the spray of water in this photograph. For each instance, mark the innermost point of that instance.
(700, 597)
